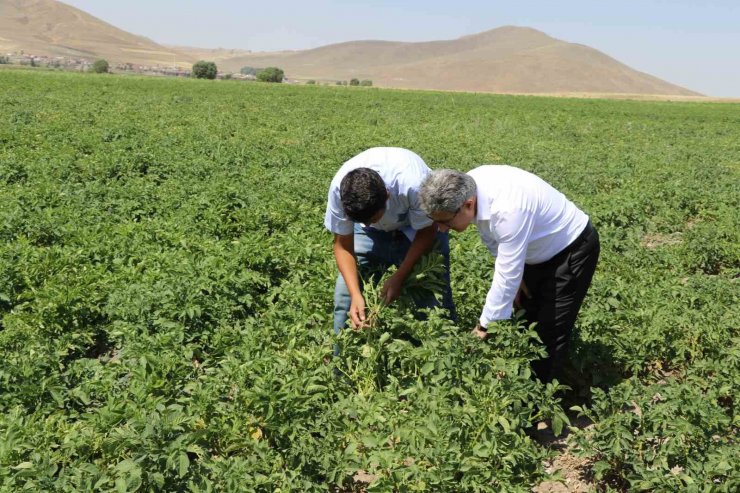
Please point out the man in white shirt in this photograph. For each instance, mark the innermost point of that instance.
(545, 247)
(374, 212)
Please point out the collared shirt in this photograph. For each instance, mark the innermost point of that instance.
(522, 220)
(402, 172)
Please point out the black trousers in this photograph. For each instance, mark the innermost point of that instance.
(557, 289)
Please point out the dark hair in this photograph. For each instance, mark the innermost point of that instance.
(363, 194)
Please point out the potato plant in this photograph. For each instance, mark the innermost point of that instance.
(166, 294)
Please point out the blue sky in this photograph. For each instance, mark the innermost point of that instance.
(695, 44)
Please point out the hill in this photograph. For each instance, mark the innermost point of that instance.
(51, 28)
(506, 59)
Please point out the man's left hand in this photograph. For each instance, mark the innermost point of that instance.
(391, 289)
(523, 291)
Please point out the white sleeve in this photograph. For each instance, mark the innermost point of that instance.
(513, 228)
(418, 219)
(487, 238)
(335, 220)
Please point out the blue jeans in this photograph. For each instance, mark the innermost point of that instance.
(376, 251)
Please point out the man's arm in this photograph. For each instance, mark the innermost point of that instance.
(422, 243)
(482, 332)
(514, 229)
(344, 253)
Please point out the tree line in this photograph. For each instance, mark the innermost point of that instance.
(203, 69)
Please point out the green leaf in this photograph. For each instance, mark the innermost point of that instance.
(557, 425)
(408, 391)
(351, 449)
(314, 388)
(121, 486)
(482, 450)
(125, 465)
(723, 467)
(158, 479)
(369, 441)
(184, 464)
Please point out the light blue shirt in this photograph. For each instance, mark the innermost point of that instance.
(402, 172)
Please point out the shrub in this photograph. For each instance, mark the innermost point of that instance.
(354, 82)
(366, 83)
(271, 74)
(311, 82)
(204, 70)
(249, 71)
(100, 67)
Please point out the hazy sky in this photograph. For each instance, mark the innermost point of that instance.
(692, 43)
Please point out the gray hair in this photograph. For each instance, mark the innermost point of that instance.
(445, 190)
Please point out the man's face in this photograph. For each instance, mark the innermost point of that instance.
(458, 221)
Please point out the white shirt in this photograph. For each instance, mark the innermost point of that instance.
(522, 220)
(402, 172)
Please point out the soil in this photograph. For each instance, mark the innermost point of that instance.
(653, 241)
(574, 471)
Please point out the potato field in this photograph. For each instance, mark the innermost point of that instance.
(166, 293)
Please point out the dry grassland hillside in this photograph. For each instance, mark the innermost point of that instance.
(51, 28)
(507, 59)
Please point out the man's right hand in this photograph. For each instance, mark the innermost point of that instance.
(357, 312)
(479, 331)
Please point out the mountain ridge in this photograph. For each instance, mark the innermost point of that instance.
(510, 59)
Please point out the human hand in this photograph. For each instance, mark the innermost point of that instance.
(357, 312)
(523, 291)
(391, 289)
(479, 331)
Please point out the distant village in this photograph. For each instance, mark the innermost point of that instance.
(83, 65)
(86, 65)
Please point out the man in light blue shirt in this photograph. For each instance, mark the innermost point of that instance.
(374, 212)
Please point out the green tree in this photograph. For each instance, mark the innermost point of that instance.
(271, 74)
(354, 82)
(100, 67)
(311, 82)
(204, 70)
(4, 60)
(249, 71)
(366, 83)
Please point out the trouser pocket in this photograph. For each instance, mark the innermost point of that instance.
(585, 257)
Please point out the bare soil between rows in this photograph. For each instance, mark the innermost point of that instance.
(574, 471)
